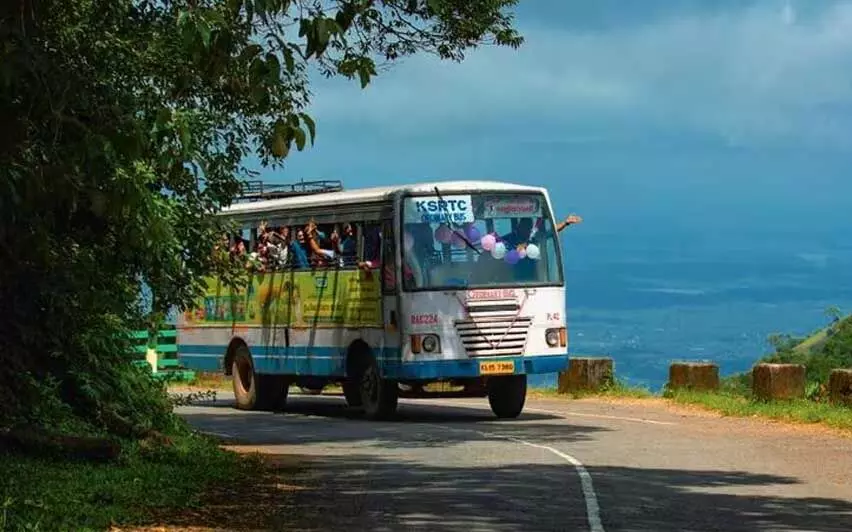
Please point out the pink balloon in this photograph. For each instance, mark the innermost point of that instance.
(488, 242)
(522, 252)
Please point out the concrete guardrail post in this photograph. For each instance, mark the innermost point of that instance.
(700, 376)
(586, 374)
(840, 387)
(778, 381)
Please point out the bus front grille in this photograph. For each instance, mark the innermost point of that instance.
(494, 336)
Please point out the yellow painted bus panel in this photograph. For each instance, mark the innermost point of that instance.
(300, 299)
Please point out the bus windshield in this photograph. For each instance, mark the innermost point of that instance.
(480, 240)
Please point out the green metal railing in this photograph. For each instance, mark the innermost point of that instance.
(164, 344)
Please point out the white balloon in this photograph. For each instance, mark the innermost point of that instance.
(533, 252)
(499, 250)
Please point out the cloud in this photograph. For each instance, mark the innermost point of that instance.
(760, 74)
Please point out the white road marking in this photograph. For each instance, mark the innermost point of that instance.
(564, 413)
(600, 416)
(593, 512)
(219, 434)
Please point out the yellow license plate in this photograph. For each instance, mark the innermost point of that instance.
(497, 367)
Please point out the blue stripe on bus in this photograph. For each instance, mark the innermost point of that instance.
(330, 361)
(436, 369)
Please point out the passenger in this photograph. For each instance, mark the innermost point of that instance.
(298, 250)
(319, 256)
(525, 231)
(347, 247)
(238, 248)
(281, 239)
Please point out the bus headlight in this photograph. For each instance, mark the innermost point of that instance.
(552, 337)
(556, 337)
(431, 344)
(427, 343)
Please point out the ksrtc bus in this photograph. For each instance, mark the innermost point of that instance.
(386, 292)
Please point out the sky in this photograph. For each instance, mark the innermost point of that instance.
(722, 116)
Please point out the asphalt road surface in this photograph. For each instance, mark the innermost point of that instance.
(589, 465)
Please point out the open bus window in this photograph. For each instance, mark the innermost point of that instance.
(480, 240)
(277, 247)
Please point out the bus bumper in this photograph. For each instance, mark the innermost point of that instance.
(479, 367)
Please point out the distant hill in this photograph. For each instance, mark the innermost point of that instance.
(824, 350)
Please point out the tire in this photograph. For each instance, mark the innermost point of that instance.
(507, 395)
(379, 396)
(253, 391)
(352, 391)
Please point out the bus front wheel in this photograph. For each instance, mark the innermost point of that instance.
(507, 395)
(379, 396)
(253, 391)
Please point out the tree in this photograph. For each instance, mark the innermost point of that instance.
(125, 127)
(833, 313)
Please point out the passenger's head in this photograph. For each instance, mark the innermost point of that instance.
(525, 226)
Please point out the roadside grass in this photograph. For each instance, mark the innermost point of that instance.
(617, 389)
(60, 494)
(801, 411)
(209, 381)
(732, 399)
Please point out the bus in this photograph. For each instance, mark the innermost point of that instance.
(386, 292)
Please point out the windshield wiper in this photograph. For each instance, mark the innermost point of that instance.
(450, 221)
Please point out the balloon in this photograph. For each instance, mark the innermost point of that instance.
(533, 252)
(499, 250)
(522, 252)
(408, 241)
(472, 233)
(513, 257)
(488, 242)
(443, 234)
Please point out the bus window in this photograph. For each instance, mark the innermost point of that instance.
(490, 240)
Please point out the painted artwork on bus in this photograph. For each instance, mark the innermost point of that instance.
(320, 299)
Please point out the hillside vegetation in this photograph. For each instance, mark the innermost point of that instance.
(827, 349)
(822, 351)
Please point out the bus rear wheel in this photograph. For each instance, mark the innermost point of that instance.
(507, 395)
(253, 391)
(379, 396)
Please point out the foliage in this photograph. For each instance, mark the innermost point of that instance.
(41, 494)
(125, 127)
(833, 353)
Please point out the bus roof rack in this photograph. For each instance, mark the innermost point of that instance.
(258, 190)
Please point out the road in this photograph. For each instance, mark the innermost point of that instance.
(590, 465)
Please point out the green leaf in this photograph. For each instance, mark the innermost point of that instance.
(204, 31)
(281, 137)
(322, 30)
(312, 127)
(289, 61)
(279, 145)
(299, 135)
(274, 68)
(364, 75)
(182, 17)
